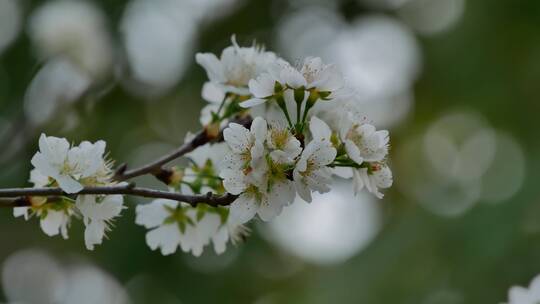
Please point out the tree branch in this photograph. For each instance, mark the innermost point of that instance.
(156, 167)
(19, 196)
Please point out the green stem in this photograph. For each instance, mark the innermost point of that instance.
(222, 103)
(351, 165)
(283, 107)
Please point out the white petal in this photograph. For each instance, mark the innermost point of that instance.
(166, 237)
(109, 207)
(212, 65)
(281, 194)
(301, 187)
(343, 172)
(320, 153)
(68, 184)
(383, 177)
(259, 128)
(292, 77)
(331, 79)
(38, 179)
(153, 214)
(87, 158)
(21, 211)
(243, 209)
(319, 180)
(252, 102)
(353, 152)
(519, 295)
(263, 86)
(53, 222)
(44, 166)
(54, 149)
(212, 92)
(319, 129)
(237, 137)
(220, 240)
(233, 181)
(93, 234)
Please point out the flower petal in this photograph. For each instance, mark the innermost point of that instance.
(212, 65)
(166, 237)
(252, 102)
(153, 214)
(243, 209)
(93, 234)
(319, 129)
(353, 152)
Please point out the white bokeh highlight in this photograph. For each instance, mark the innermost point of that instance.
(10, 22)
(333, 228)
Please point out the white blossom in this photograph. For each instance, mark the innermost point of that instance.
(247, 148)
(323, 77)
(98, 212)
(313, 75)
(363, 142)
(521, 295)
(174, 225)
(311, 171)
(282, 143)
(54, 218)
(228, 232)
(377, 176)
(206, 162)
(267, 203)
(233, 70)
(39, 180)
(70, 167)
(260, 181)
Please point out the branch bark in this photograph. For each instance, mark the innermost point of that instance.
(18, 197)
(156, 167)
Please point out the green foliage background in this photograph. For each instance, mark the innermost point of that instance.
(489, 62)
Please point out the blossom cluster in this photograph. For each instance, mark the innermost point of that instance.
(303, 133)
(71, 168)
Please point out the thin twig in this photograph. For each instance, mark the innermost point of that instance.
(18, 195)
(156, 167)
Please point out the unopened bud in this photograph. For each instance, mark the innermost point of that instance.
(176, 176)
(36, 201)
(212, 130)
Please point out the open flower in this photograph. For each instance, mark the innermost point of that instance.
(69, 167)
(262, 89)
(363, 142)
(311, 171)
(201, 176)
(251, 172)
(267, 203)
(376, 176)
(174, 225)
(233, 70)
(247, 150)
(229, 232)
(54, 218)
(321, 79)
(98, 212)
(266, 190)
(283, 146)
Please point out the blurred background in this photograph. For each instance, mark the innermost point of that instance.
(455, 82)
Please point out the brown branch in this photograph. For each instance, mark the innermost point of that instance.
(156, 167)
(19, 196)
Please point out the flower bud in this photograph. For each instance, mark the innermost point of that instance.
(212, 130)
